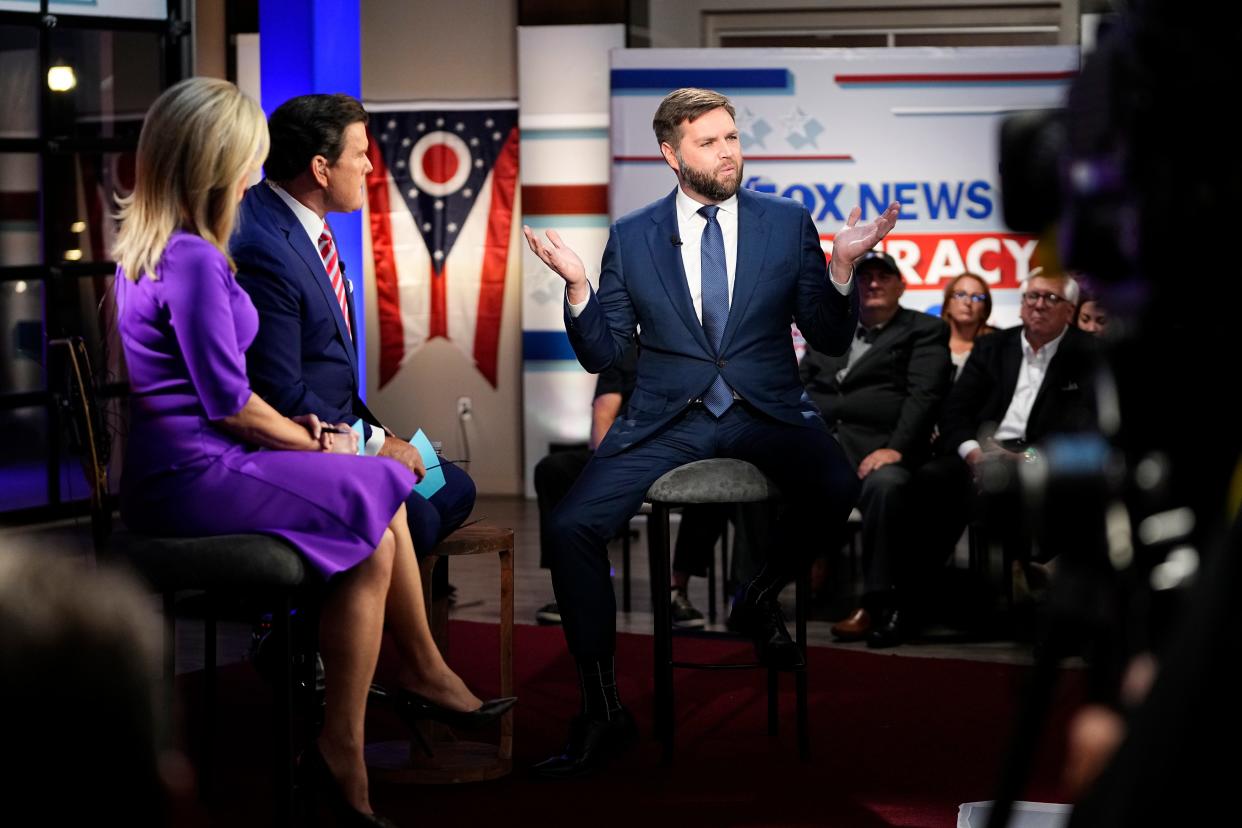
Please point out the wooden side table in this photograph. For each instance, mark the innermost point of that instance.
(456, 760)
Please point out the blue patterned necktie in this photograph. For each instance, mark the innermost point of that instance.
(715, 286)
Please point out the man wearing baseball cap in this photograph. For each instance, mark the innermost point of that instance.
(880, 400)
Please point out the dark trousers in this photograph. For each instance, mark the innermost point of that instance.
(433, 519)
(885, 530)
(805, 463)
(555, 476)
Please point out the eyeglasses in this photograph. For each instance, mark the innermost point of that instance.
(1032, 297)
(974, 297)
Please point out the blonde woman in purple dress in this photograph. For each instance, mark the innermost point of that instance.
(206, 456)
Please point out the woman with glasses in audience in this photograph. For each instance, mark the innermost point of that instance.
(967, 307)
(207, 456)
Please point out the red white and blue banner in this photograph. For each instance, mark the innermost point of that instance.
(441, 209)
(835, 128)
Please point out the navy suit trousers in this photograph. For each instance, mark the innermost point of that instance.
(818, 483)
(435, 518)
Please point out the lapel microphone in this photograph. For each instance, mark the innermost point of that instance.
(675, 240)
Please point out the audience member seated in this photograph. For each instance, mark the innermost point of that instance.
(967, 306)
(193, 464)
(1090, 315)
(880, 400)
(1019, 386)
(555, 474)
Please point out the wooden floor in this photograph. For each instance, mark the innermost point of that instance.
(476, 580)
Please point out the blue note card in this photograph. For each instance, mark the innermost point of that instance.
(362, 436)
(434, 481)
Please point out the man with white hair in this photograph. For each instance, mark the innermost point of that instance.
(1018, 387)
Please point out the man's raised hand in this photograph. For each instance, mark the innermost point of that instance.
(854, 239)
(563, 261)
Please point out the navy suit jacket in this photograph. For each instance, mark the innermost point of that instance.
(781, 277)
(303, 359)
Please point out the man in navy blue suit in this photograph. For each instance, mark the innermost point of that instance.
(304, 359)
(708, 279)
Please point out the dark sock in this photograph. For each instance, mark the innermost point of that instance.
(764, 587)
(597, 679)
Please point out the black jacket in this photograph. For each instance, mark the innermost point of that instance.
(892, 395)
(981, 395)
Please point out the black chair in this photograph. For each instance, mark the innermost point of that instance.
(251, 566)
(717, 480)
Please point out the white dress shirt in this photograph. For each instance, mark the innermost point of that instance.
(315, 225)
(1031, 375)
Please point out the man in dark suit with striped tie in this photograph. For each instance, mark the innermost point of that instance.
(304, 358)
(708, 278)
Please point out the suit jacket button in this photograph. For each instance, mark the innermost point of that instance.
(720, 363)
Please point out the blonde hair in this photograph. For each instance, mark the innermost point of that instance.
(199, 139)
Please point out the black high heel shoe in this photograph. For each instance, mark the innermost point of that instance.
(315, 777)
(413, 708)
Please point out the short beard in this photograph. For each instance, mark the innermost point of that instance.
(705, 184)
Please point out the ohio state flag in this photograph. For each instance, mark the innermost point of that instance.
(441, 208)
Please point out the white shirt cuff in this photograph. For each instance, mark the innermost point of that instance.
(576, 310)
(967, 447)
(375, 442)
(844, 289)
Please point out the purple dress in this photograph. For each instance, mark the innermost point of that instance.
(185, 336)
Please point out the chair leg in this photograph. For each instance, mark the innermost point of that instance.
(773, 702)
(658, 558)
(282, 721)
(800, 677)
(170, 655)
(625, 569)
(207, 760)
(506, 649)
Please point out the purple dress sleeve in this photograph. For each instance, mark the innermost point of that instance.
(199, 295)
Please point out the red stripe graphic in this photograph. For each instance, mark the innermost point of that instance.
(564, 199)
(496, 260)
(388, 307)
(958, 77)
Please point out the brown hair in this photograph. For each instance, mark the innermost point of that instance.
(685, 104)
(952, 286)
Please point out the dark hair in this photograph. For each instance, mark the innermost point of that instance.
(952, 286)
(306, 126)
(685, 104)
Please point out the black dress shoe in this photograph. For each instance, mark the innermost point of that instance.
(592, 743)
(413, 708)
(314, 777)
(893, 632)
(765, 625)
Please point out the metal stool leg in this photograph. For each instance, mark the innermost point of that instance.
(625, 568)
(207, 760)
(800, 677)
(658, 557)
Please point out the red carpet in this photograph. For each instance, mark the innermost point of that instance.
(895, 741)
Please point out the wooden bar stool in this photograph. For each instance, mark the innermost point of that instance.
(455, 760)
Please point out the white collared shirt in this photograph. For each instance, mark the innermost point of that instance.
(1031, 375)
(311, 222)
(315, 225)
(690, 227)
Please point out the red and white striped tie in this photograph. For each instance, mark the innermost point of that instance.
(327, 250)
